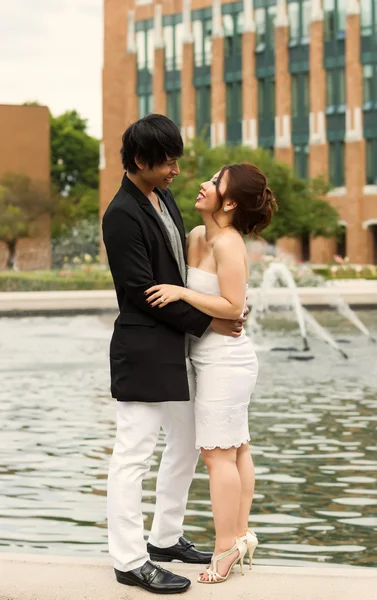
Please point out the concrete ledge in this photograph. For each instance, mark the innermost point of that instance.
(356, 293)
(24, 577)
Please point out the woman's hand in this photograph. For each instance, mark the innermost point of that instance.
(161, 295)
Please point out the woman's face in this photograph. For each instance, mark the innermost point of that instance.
(207, 200)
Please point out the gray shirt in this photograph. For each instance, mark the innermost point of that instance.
(174, 237)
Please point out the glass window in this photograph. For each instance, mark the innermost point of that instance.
(207, 42)
(261, 98)
(140, 50)
(336, 163)
(178, 45)
(260, 28)
(173, 106)
(202, 33)
(305, 19)
(341, 87)
(150, 49)
(294, 20)
(366, 17)
(341, 164)
(141, 106)
(239, 99)
(169, 47)
(240, 22)
(228, 24)
(330, 100)
(271, 18)
(150, 103)
(332, 163)
(197, 30)
(294, 94)
(371, 162)
(300, 166)
(272, 98)
(145, 105)
(329, 19)
(367, 84)
(203, 111)
(306, 93)
(342, 15)
(229, 103)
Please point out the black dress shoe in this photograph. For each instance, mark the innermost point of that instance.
(184, 551)
(154, 578)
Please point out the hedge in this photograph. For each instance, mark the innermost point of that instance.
(38, 281)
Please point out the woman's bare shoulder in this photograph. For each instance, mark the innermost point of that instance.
(196, 234)
(229, 240)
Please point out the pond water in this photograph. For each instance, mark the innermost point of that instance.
(314, 442)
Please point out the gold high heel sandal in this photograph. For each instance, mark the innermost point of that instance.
(213, 575)
(251, 541)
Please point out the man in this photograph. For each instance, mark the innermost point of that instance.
(144, 237)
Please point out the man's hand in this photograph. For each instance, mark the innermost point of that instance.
(227, 327)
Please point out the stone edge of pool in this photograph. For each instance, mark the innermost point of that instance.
(38, 577)
(356, 293)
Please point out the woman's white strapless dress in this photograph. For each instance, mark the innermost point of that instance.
(223, 377)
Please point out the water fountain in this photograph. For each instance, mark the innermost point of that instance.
(278, 289)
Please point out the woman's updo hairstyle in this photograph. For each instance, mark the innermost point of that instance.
(256, 204)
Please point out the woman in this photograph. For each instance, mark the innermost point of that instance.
(236, 202)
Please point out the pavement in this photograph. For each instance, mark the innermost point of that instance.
(29, 577)
(357, 293)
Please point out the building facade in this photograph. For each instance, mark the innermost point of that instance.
(25, 150)
(297, 77)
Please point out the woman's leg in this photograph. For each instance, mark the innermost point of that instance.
(246, 472)
(225, 491)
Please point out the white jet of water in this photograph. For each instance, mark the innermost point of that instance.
(279, 272)
(321, 332)
(346, 311)
(275, 273)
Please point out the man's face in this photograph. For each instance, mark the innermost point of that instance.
(161, 176)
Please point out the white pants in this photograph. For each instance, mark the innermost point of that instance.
(138, 428)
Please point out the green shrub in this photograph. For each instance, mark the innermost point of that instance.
(87, 278)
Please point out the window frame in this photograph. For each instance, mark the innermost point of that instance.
(370, 28)
(370, 161)
(203, 56)
(335, 90)
(372, 102)
(174, 112)
(338, 15)
(269, 18)
(303, 33)
(337, 163)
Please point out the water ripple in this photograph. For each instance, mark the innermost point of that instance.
(313, 429)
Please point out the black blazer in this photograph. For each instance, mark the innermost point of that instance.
(147, 350)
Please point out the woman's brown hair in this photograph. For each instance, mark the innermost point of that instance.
(256, 204)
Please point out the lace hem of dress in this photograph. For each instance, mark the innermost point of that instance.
(224, 447)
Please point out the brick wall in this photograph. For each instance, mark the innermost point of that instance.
(25, 149)
(355, 204)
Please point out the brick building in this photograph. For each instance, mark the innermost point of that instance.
(25, 149)
(298, 77)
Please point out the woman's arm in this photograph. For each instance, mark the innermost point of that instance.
(229, 254)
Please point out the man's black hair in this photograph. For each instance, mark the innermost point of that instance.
(152, 140)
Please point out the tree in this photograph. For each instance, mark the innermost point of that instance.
(74, 153)
(302, 210)
(22, 203)
(74, 170)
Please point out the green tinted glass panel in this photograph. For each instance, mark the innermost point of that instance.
(294, 95)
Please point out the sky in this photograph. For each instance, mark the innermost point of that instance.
(51, 51)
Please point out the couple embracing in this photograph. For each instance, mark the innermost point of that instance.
(179, 357)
